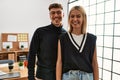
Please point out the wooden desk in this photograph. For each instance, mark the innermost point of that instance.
(23, 73)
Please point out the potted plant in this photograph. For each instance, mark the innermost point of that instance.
(8, 47)
(22, 47)
(20, 64)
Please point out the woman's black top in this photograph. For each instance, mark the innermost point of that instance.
(76, 57)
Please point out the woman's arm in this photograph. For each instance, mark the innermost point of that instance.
(95, 66)
(59, 63)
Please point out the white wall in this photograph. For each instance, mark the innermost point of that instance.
(17, 16)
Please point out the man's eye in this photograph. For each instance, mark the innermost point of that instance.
(55, 12)
(58, 12)
(52, 12)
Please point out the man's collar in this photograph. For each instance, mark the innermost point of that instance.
(56, 26)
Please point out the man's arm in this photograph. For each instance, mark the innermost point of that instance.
(34, 46)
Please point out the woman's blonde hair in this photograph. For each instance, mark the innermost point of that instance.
(84, 24)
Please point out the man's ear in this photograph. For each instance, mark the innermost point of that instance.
(63, 14)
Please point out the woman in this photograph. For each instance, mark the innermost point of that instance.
(77, 57)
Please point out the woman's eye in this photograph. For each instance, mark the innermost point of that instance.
(78, 16)
(72, 16)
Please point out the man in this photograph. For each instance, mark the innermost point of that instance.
(44, 45)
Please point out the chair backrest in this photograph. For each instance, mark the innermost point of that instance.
(6, 61)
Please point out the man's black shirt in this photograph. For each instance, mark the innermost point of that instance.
(44, 45)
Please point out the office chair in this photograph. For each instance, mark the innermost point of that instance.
(10, 66)
(7, 61)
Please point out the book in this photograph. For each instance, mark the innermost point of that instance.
(10, 75)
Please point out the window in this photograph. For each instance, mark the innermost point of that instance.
(104, 22)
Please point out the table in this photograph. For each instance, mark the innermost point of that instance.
(23, 72)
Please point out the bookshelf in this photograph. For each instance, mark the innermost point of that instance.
(14, 41)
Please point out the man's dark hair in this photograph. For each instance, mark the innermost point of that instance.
(55, 5)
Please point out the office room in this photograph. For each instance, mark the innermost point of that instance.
(19, 19)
